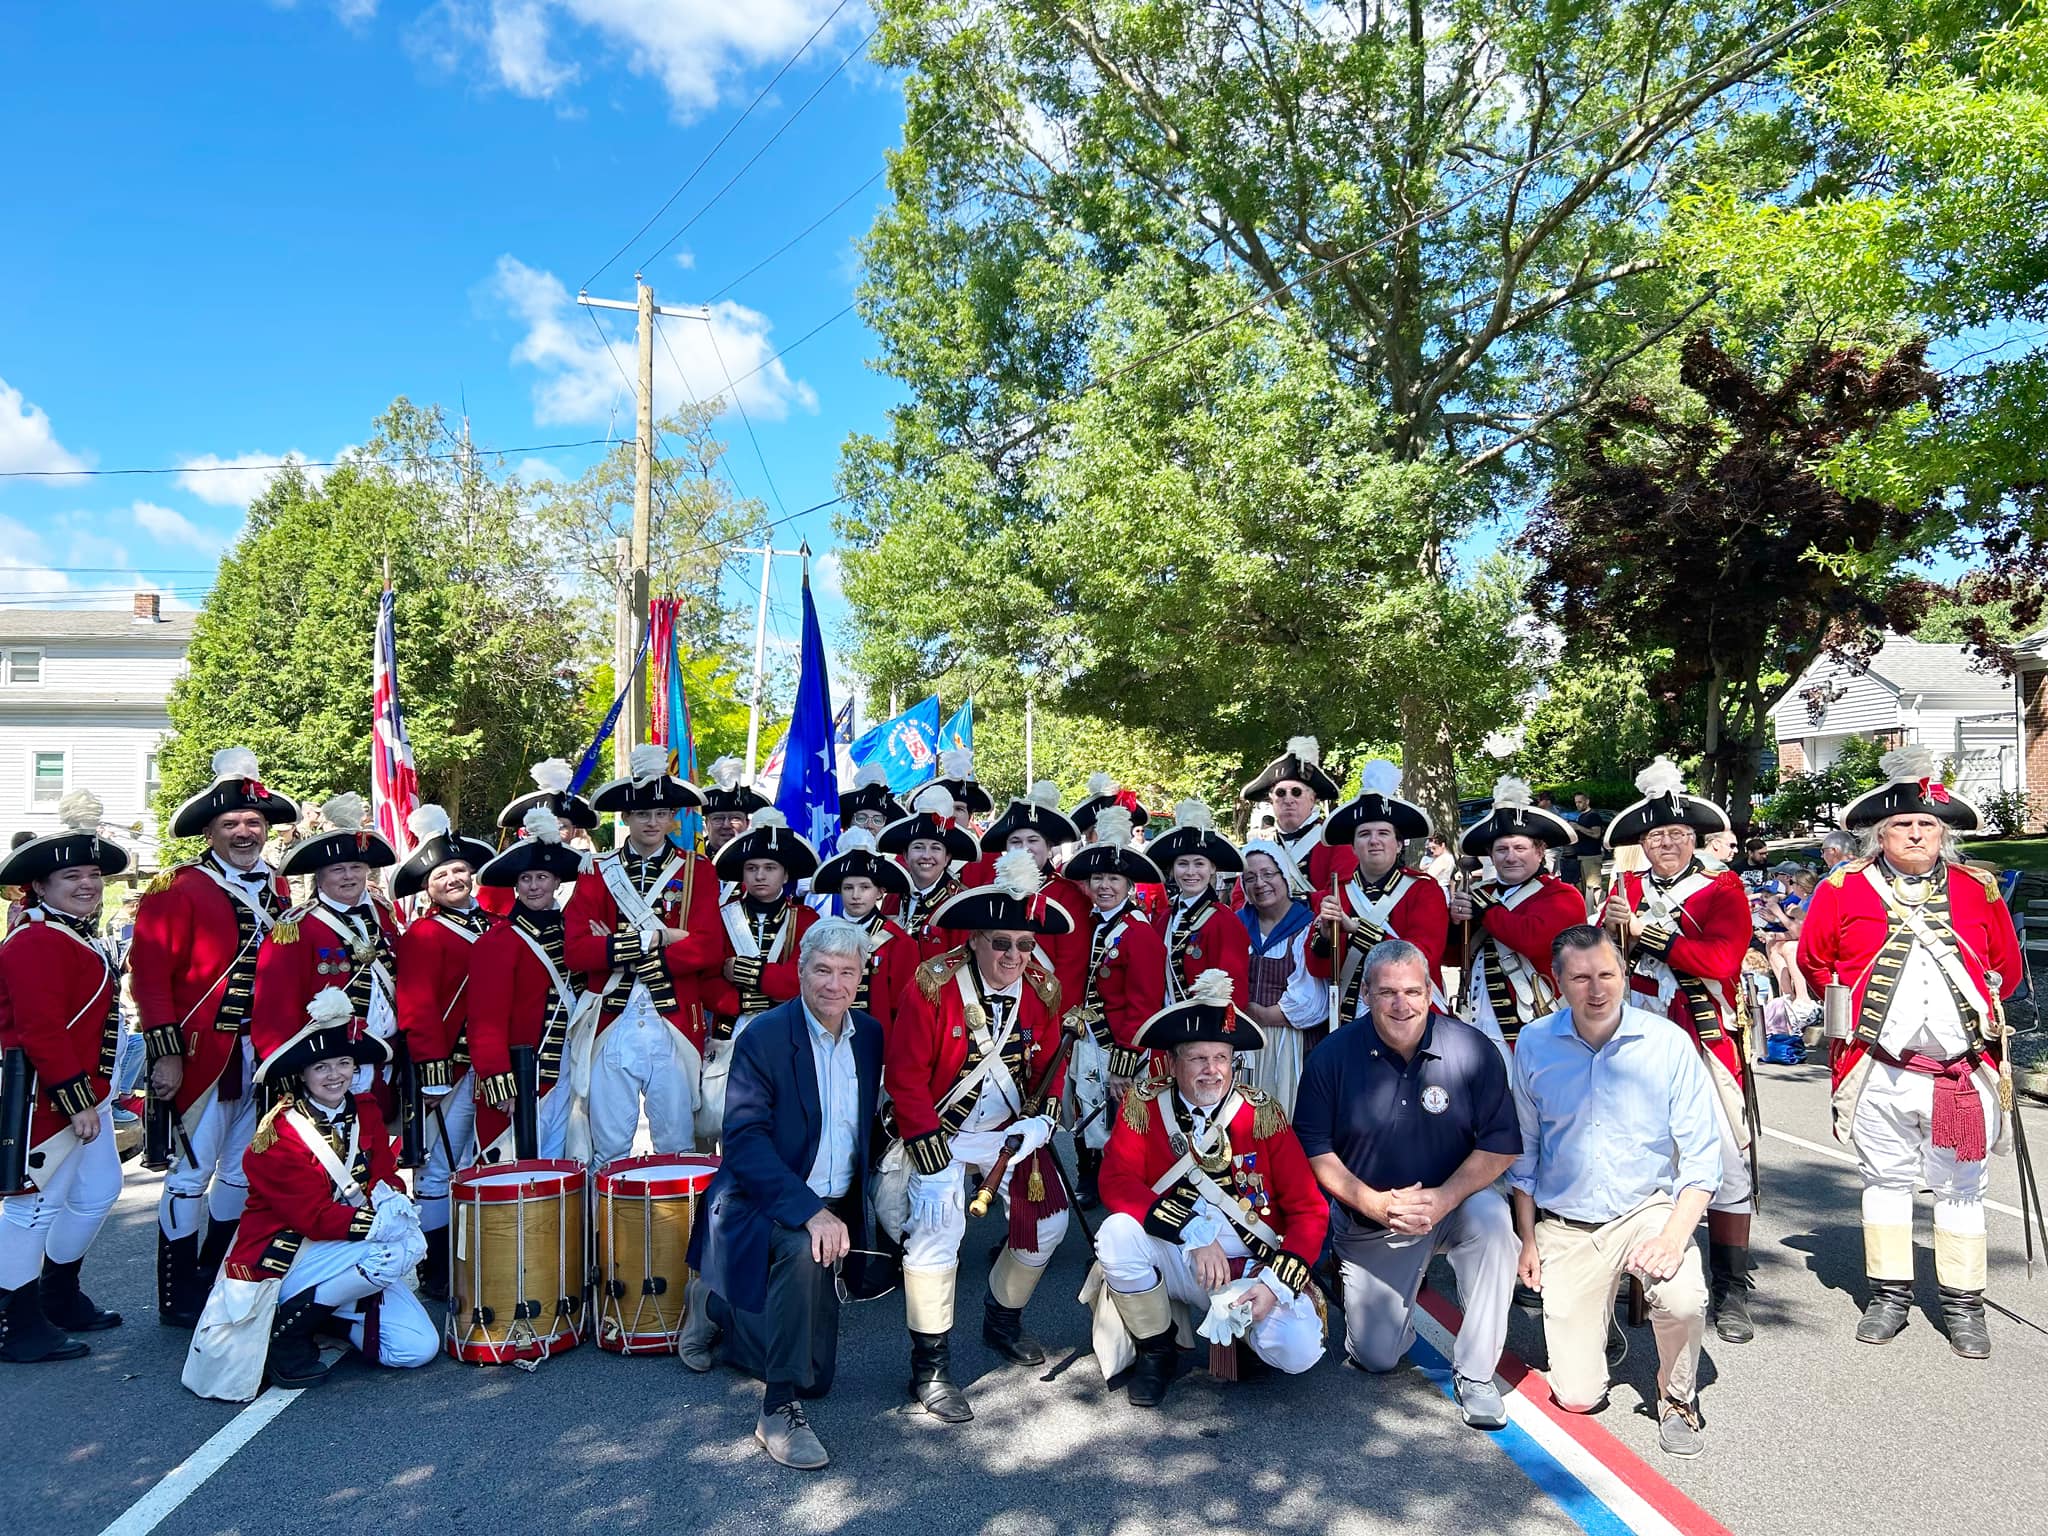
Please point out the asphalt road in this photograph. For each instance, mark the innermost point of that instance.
(1808, 1431)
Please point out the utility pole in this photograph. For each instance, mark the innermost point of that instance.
(635, 587)
(767, 552)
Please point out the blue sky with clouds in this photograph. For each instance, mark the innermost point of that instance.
(239, 229)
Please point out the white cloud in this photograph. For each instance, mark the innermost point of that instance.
(354, 14)
(686, 259)
(171, 527)
(828, 576)
(236, 481)
(26, 439)
(581, 377)
(695, 49)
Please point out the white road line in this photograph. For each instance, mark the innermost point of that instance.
(1843, 1157)
(184, 1480)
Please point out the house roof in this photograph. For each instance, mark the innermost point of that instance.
(31, 626)
(1906, 670)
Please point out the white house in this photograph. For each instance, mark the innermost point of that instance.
(1911, 692)
(83, 698)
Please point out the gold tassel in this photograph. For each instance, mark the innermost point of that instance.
(161, 880)
(284, 931)
(266, 1129)
(1034, 1188)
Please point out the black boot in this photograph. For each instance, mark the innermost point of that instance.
(1002, 1330)
(1731, 1286)
(294, 1357)
(1962, 1315)
(1528, 1302)
(931, 1378)
(1884, 1315)
(220, 1241)
(65, 1305)
(435, 1266)
(1153, 1372)
(1087, 1186)
(26, 1336)
(179, 1291)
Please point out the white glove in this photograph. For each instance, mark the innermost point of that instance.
(931, 1194)
(650, 938)
(1035, 1132)
(382, 1195)
(396, 1219)
(1204, 1228)
(1230, 1315)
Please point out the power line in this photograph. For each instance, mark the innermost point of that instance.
(696, 169)
(724, 460)
(220, 469)
(683, 228)
(740, 406)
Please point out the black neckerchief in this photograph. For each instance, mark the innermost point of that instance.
(87, 928)
(474, 918)
(1375, 889)
(1661, 885)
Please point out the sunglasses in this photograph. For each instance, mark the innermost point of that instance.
(1290, 792)
(1004, 946)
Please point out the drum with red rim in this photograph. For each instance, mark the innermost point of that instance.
(645, 1207)
(520, 1266)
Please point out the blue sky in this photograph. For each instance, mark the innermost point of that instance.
(240, 229)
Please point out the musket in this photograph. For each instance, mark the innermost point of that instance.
(405, 1083)
(1751, 1110)
(1336, 953)
(17, 1082)
(1034, 1104)
(525, 1107)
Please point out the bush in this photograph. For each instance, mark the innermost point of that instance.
(1805, 799)
(2007, 812)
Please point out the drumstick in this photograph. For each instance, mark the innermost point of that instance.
(986, 1194)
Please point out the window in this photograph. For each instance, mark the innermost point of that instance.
(25, 667)
(152, 778)
(47, 783)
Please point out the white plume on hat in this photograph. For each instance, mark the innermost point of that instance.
(767, 816)
(856, 840)
(1915, 760)
(647, 762)
(1662, 777)
(542, 825)
(1100, 783)
(1211, 989)
(427, 822)
(1113, 827)
(1307, 749)
(552, 774)
(956, 763)
(1512, 792)
(1194, 813)
(725, 773)
(872, 774)
(344, 812)
(235, 763)
(1044, 794)
(1381, 776)
(80, 810)
(1017, 873)
(329, 1006)
(933, 800)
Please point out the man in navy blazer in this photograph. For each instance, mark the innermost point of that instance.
(789, 1201)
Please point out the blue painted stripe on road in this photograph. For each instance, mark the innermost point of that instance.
(1579, 1503)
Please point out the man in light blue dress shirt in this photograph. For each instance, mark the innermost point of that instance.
(1620, 1156)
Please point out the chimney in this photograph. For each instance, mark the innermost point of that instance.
(148, 608)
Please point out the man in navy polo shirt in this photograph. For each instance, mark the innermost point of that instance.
(1407, 1119)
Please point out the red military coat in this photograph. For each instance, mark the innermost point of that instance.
(1847, 925)
(1267, 1168)
(1129, 982)
(510, 997)
(433, 994)
(1709, 943)
(187, 939)
(595, 947)
(931, 942)
(292, 1199)
(763, 983)
(61, 1011)
(889, 970)
(305, 954)
(1216, 942)
(1532, 924)
(928, 1046)
(1422, 916)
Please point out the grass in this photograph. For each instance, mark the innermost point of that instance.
(2028, 853)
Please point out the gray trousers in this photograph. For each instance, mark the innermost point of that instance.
(795, 1338)
(1383, 1271)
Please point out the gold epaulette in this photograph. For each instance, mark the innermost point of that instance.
(1137, 1096)
(933, 975)
(286, 929)
(161, 881)
(1268, 1118)
(1845, 869)
(1045, 984)
(1984, 877)
(266, 1128)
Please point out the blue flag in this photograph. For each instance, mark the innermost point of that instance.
(905, 746)
(959, 730)
(808, 793)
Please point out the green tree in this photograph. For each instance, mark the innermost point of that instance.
(1297, 382)
(1598, 719)
(488, 647)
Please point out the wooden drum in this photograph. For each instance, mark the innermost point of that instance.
(645, 1209)
(517, 1282)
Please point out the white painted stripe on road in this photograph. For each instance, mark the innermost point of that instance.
(1627, 1506)
(1843, 1157)
(185, 1479)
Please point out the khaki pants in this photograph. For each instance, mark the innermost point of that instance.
(1581, 1269)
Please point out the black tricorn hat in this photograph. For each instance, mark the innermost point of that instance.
(1377, 800)
(554, 777)
(1103, 792)
(348, 840)
(870, 792)
(78, 846)
(647, 785)
(538, 846)
(931, 816)
(1208, 1017)
(767, 837)
(236, 786)
(1302, 762)
(439, 844)
(1039, 812)
(1016, 901)
(727, 796)
(1194, 831)
(1664, 804)
(1512, 814)
(331, 1030)
(1915, 790)
(857, 859)
(956, 773)
(1112, 854)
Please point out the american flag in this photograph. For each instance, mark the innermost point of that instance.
(394, 787)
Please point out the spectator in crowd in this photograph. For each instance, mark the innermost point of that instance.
(1441, 865)
(1781, 910)
(1838, 847)
(1718, 850)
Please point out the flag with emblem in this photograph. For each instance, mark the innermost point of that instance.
(394, 787)
(808, 791)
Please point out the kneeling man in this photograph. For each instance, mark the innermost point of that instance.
(1211, 1201)
(788, 1203)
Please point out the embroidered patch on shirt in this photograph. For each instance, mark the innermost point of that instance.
(1435, 1100)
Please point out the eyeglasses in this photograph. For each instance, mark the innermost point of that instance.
(1290, 792)
(1003, 946)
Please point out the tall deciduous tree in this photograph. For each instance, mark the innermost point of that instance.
(1088, 187)
(1711, 534)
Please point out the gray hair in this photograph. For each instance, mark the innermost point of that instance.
(1841, 841)
(1391, 952)
(834, 936)
(1870, 841)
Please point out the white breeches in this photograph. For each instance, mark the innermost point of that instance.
(710, 1118)
(59, 1222)
(1291, 1337)
(210, 1182)
(641, 1056)
(451, 1146)
(342, 1275)
(1893, 1134)
(936, 1244)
